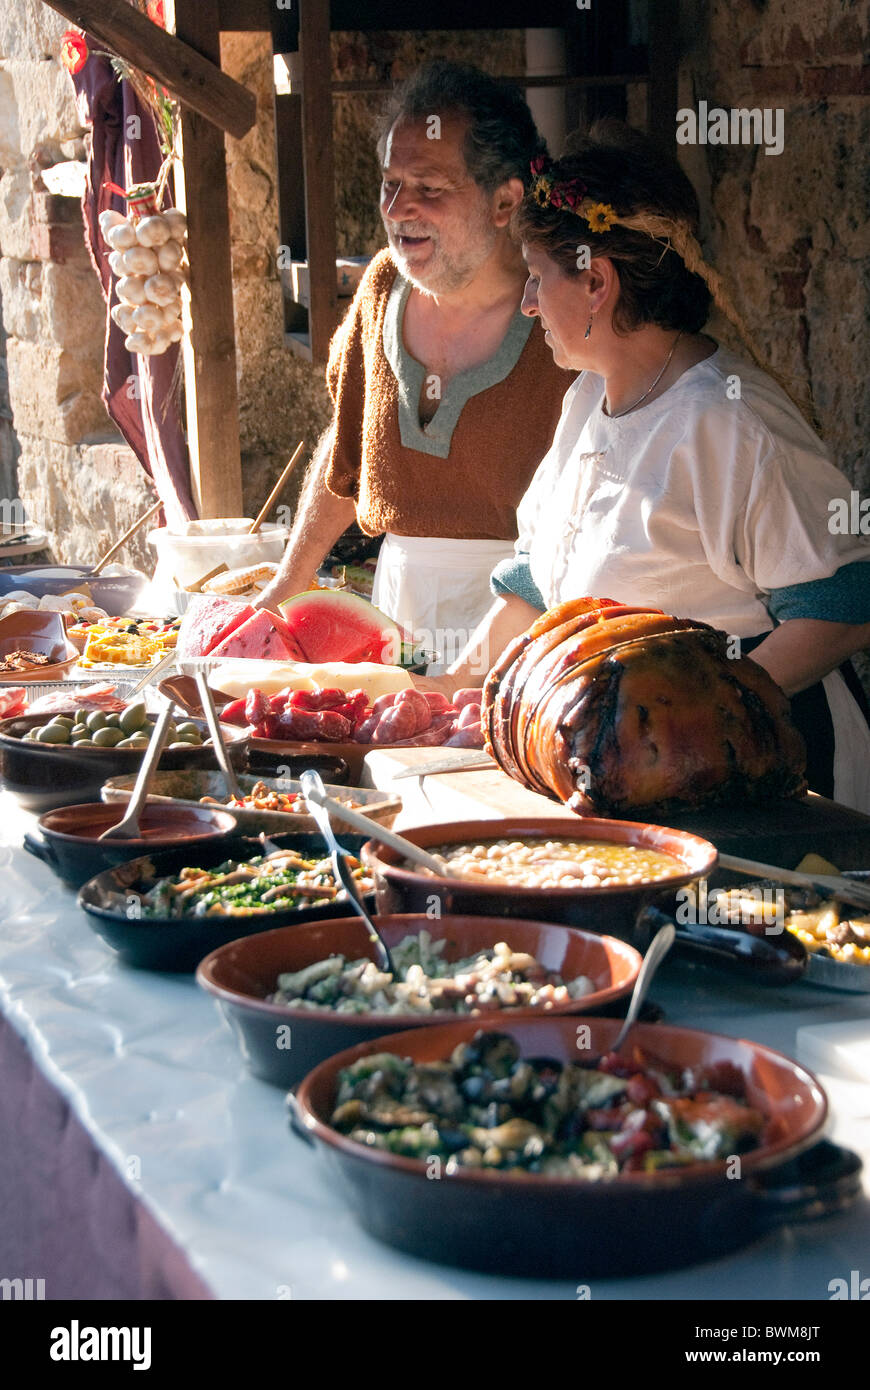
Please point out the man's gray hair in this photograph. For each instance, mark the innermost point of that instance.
(502, 138)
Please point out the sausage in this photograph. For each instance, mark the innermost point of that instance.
(414, 700)
(467, 697)
(257, 707)
(469, 716)
(469, 737)
(396, 723)
(437, 702)
(333, 727)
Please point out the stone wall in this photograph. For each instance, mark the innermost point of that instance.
(73, 474)
(790, 231)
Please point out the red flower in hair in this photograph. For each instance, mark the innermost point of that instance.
(573, 193)
(539, 165)
(73, 51)
(556, 198)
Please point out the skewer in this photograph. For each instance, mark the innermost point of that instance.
(277, 489)
(126, 536)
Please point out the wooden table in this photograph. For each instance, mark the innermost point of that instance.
(780, 833)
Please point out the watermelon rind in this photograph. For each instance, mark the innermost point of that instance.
(331, 625)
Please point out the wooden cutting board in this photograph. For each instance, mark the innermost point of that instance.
(780, 832)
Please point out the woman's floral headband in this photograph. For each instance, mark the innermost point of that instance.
(568, 195)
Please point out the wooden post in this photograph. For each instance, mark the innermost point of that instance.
(188, 74)
(210, 349)
(314, 53)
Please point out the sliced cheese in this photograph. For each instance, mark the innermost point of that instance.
(236, 678)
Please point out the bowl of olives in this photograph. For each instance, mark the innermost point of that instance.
(64, 758)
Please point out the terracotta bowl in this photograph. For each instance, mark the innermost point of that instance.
(46, 775)
(241, 975)
(611, 909)
(69, 841)
(529, 1224)
(43, 633)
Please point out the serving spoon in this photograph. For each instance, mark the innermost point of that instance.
(318, 803)
(658, 949)
(317, 796)
(128, 827)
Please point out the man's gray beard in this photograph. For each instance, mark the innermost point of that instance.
(451, 275)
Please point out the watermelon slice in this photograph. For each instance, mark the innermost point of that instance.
(263, 637)
(329, 625)
(209, 619)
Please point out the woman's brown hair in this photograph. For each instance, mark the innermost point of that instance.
(621, 167)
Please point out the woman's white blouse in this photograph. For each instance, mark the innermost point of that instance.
(700, 503)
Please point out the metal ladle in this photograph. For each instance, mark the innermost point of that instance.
(316, 800)
(128, 827)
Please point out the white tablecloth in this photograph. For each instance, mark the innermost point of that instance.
(153, 1074)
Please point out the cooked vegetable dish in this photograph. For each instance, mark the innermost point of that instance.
(559, 863)
(498, 978)
(262, 797)
(486, 1107)
(825, 926)
(268, 883)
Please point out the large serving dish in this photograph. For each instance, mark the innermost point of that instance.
(528, 1224)
(605, 909)
(188, 787)
(116, 594)
(43, 634)
(110, 901)
(243, 974)
(43, 776)
(68, 840)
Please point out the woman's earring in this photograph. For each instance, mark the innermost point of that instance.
(588, 327)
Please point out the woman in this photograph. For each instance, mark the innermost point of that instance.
(680, 476)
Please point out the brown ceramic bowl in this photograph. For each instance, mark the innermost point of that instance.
(613, 909)
(526, 1223)
(241, 975)
(42, 633)
(69, 842)
(46, 775)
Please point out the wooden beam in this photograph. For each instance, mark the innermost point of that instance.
(314, 52)
(189, 73)
(209, 349)
(246, 16)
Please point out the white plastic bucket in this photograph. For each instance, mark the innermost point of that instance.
(182, 560)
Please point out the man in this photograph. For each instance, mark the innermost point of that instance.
(446, 397)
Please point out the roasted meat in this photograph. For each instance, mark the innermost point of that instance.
(628, 711)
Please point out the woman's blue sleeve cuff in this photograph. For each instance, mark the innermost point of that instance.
(844, 598)
(514, 576)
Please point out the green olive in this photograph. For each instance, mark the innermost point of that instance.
(63, 719)
(53, 733)
(83, 743)
(136, 741)
(180, 743)
(107, 738)
(133, 717)
(188, 727)
(96, 720)
(113, 721)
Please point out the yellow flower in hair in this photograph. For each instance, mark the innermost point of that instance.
(600, 217)
(541, 192)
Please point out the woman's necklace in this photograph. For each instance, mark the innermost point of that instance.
(614, 415)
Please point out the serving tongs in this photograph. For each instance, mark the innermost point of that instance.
(318, 802)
